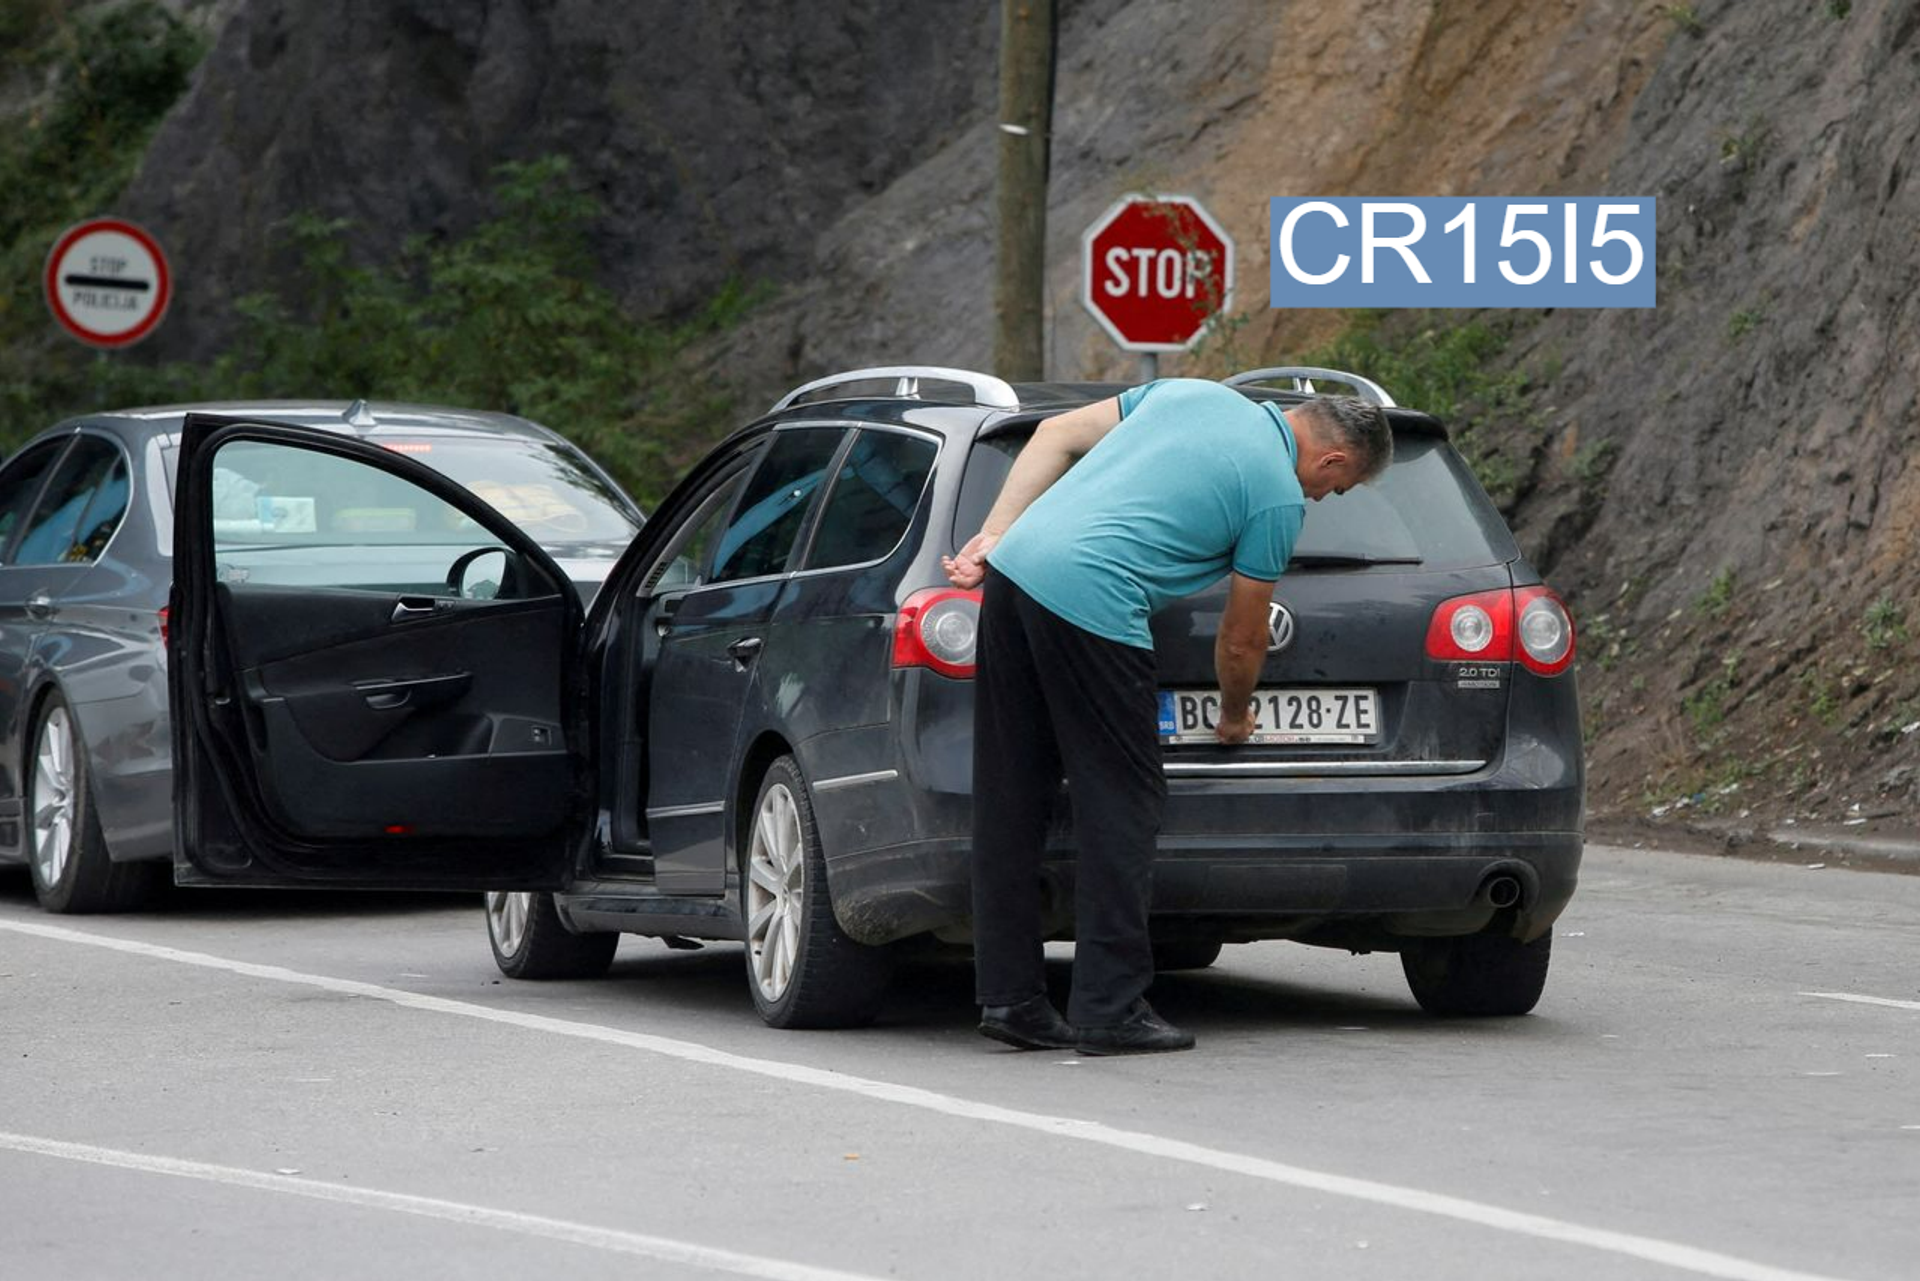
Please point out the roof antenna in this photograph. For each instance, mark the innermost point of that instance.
(359, 415)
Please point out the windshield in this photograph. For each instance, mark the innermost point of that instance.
(1425, 509)
(546, 489)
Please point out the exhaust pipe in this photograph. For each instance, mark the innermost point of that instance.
(1501, 890)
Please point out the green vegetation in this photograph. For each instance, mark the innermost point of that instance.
(1714, 601)
(1592, 461)
(1448, 369)
(114, 72)
(1706, 707)
(1684, 18)
(1822, 694)
(1746, 147)
(510, 316)
(1839, 9)
(1885, 624)
(1743, 322)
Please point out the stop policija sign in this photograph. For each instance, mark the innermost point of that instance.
(107, 282)
(1155, 270)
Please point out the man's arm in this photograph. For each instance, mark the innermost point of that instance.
(1057, 444)
(1239, 652)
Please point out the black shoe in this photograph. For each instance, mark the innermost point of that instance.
(1031, 1025)
(1141, 1032)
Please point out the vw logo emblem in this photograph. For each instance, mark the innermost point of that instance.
(1279, 627)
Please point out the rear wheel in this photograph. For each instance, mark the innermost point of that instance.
(66, 852)
(530, 942)
(1478, 975)
(802, 970)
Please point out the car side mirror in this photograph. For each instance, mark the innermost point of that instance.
(481, 574)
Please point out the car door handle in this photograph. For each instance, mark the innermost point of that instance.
(424, 691)
(40, 605)
(408, 608)
(745, 650)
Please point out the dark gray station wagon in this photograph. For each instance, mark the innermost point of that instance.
(761, 730)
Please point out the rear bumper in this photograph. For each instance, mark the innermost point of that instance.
(1361, 891)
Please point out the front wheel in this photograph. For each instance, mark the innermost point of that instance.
(802, 970)
(1477, 975)
(530, 941)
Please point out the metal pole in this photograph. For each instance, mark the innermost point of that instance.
(1149, 366)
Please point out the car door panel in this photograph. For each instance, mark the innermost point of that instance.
(387, 712)
(354, 733)
(698, 692)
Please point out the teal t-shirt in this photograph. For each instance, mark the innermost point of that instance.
(1194, 480)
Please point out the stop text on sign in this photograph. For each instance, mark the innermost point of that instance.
(1155, 269)
(1507, 251)
(1159, 273)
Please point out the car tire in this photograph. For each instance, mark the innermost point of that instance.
(1185, 952)
(802, 969)
(66, 851)
(1477, 975)
(531, 942)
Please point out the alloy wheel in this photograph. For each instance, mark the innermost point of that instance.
(53, 797)
(776, 883)
(507, 913)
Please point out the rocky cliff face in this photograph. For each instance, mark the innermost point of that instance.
(723, 137)
(1727, 487)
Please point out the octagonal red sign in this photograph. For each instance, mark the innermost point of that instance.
(1155, 270)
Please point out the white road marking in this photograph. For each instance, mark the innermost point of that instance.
(1865, 1000)
(663, 1249)
(1670, 1254)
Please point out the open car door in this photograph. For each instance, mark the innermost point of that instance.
(373, 673)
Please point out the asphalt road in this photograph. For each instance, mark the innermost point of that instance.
(1721, 1081)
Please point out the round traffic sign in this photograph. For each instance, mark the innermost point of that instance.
(1155, 270)
(107, 282)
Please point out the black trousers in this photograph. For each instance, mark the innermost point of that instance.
(1051, 698)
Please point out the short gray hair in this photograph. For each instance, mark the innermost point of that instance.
(1358, 428)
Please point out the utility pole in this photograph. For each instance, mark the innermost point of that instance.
(1026, 123)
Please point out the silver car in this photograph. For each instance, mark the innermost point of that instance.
(86, 545)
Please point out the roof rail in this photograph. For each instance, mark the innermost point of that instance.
(988, 392)
(1303, 376)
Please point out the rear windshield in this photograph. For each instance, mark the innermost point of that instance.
(1425, 508)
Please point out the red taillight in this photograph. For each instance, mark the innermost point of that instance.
(938, 628)
(1544, 629)
(163, 624)
(1476, 627)
(1485, 625)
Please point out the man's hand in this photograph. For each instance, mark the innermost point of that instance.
(969, 568)
(1233, 730)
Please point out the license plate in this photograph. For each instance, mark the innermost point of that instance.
(1280, 716)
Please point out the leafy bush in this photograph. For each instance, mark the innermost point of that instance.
(1447, 369)
(508, 317)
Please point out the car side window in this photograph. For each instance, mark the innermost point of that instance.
(685, 560)
(759, 539)
(92, 470)
(102, 517)
(291, 516)
(874, 497)
(20, 481)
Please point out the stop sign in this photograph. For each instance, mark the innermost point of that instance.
(1154, 270)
